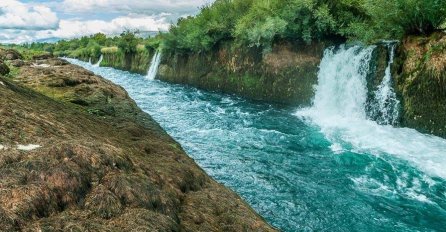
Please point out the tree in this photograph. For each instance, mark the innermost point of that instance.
(128, 41)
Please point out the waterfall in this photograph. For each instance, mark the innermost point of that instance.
(339, 110)
(89, 60)
(342, 88)
(385, 107)
(153, 70)
(99, 62)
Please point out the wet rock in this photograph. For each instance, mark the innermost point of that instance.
(419, 72)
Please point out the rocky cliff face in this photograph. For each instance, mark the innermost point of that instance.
(77, 154)
(286, 75)
(420, 76)
(136, 63)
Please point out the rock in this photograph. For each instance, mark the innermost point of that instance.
(17, 63)
(44, 56)
(4, 69)
(10, 54)
(419, 73)
(286, 75)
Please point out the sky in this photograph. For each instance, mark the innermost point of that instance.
(43, 20)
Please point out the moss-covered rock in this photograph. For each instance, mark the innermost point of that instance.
(136, 63)
(420, 75)
(285, 75)
(10, 54)
(102, 164)
(4, 69)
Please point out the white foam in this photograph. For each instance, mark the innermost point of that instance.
(386, 107)
(28, 147)
(336, 148)
(1, 83)
(339, 110)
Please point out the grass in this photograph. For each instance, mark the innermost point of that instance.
(109, 50)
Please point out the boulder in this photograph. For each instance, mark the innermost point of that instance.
(17, 63)
(10, 54)
(4, 69)
(44, 56)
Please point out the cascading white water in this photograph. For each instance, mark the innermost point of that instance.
(153, 70)
(89, 60)
(386, 105)
(339, 71)
(339, 110)
(99, 62)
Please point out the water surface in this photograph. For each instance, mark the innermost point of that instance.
(301, 172)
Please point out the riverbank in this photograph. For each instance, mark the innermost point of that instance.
(288, 73)
(78, 154)
(420, 81)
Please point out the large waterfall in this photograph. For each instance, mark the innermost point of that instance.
(342, 88)
(156, 60)
(339, 109)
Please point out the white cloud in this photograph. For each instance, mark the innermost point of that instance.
(17, 15)
(135, 6)
(77, 28)
(36, 20)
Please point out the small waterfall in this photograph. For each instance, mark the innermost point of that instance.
(89, 60)
(153, 70)
(99, 62)
(385, 108)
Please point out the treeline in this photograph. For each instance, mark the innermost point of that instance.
(93, 46)
(262, 22)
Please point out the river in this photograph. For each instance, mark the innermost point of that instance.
(323, 168)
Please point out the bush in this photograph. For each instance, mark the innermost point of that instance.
(260, 23)
(393, 19)
(128, 42)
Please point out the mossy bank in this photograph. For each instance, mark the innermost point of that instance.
(420, 81)
(77, 154)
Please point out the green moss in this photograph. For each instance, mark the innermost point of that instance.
(136, 63)
(421, 84)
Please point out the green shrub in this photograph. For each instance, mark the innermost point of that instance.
(393, 19)
(128, 42)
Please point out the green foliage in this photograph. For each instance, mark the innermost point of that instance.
(128, 41)
(393, 19)
(93, 46)
(214, 23)
(261, 22)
